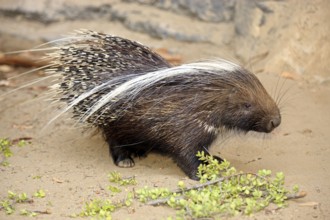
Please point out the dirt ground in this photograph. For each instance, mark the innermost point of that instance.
(72, 165)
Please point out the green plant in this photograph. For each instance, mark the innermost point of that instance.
(114, 189)
(9, 203)
(40, 194)
(25, 212)
(102, 209)
(98, 208)
(115, 177)
(5, 151)
(222, 191)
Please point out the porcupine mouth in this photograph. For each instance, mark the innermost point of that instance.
(269, 126)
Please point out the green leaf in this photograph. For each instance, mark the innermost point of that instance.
(114, 189)
(40, 194)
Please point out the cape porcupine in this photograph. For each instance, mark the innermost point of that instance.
(141, 103)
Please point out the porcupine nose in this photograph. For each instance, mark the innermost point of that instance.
(273, 123)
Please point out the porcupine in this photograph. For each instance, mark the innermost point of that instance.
(141, 103)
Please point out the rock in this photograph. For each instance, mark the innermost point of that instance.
(48, 11)
(134, 16)
(154, 22)
(206, 10)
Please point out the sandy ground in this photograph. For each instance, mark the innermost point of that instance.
(72, 165)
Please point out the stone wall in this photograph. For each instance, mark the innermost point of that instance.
(156, 18)
(269, 35)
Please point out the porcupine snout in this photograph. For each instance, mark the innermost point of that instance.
(273, 123)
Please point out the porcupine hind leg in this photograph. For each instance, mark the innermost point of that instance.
(121, 155)
(122, 152)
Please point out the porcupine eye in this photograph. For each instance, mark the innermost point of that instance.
(247, 105)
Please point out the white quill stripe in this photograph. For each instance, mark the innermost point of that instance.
(77, 100)
(85, 95)
(141, 82)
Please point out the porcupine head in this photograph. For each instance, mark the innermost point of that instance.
(142, 104)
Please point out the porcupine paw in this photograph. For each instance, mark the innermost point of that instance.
(192, 172)
(125, 162)
(189, 164)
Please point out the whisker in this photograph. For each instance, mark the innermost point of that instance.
(65, 39)
(30, 71)
(284, 93)
(32, 82)
(275, 91)
(31, 50)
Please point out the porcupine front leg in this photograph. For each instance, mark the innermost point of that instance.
(189, 162)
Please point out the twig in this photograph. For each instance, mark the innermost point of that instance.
(46, 212)
(212, 182)
(161, 201)
(128, 177)
(17, 140)
(164, 200)
(297, 195)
